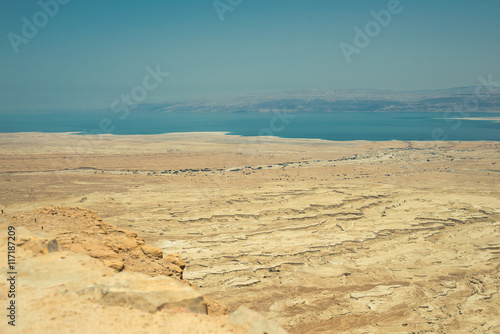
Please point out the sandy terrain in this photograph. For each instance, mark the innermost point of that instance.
(321, 237)
(75, 273)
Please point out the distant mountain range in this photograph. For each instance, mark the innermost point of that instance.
(488, 99)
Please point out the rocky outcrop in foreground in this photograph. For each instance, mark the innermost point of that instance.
(88, 276)
(82, 231)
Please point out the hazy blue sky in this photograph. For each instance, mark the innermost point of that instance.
(92, 51)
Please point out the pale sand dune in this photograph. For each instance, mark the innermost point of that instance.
(322, 237)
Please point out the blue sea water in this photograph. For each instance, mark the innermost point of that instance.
(330, 126)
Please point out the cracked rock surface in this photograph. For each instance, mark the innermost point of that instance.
(320, 237)
(62, 291)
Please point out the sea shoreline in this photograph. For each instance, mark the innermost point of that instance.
(334, 127)
(211, 134)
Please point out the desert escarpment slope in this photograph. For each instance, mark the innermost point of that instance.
(74, 273)
(319, 236)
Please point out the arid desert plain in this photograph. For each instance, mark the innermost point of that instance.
(317, 236)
